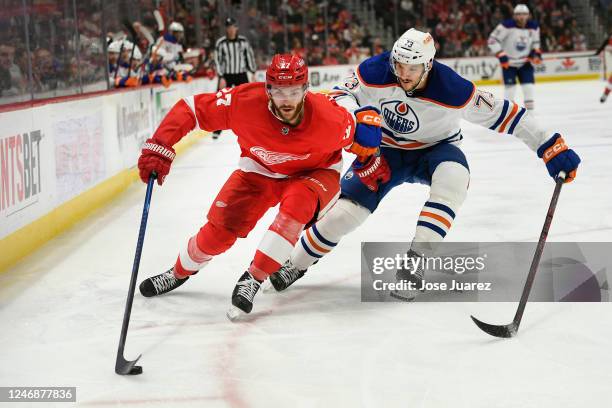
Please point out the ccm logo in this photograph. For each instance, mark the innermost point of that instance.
(372, 119)
(554, 150)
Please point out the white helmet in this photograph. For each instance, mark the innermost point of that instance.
(128, 45)
(414, 47)
(176, 26)
(115, 46)
(137, 55)
(521, 9)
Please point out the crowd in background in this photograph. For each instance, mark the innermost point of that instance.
(74, 45)
(461, 27)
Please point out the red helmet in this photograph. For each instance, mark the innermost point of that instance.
(286, 70)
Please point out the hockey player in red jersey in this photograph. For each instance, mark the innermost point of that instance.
(606, 47)
(291, 145)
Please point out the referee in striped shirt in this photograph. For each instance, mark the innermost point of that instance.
(234, 57)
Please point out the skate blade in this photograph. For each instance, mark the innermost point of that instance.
(234, 314)
(403, 297)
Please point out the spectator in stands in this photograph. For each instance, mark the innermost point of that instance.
(11, 79)
(46, 71)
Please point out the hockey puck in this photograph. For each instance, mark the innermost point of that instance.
(136, 370)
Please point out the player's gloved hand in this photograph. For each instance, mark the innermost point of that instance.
(558, 157)
(155, 157)
(373, 170)
(503, 59)
(367, 132)
(535, 56)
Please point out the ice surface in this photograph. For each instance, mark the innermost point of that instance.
(317, 345)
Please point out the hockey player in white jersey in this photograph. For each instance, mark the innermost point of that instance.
(421, 102)
(516, 43)
(171, 43)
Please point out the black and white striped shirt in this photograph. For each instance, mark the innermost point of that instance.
(234, 56)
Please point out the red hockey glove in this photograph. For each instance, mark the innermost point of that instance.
(374, 170)
(155, 157)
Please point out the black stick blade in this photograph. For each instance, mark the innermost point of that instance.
(503, 331)
(125, 367)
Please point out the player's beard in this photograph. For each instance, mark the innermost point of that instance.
(295, 117)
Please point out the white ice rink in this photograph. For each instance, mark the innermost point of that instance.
(317, 345)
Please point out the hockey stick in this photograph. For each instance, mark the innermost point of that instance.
(123, 366)
(510, 330)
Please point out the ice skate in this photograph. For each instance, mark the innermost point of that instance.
(242, 296)
(603, 98)
(411, 274)
(283, 278)
(160, 284)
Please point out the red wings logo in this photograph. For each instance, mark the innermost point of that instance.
(269, 157)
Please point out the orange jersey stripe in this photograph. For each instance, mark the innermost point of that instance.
(405, 146)
(451, 106)
(509, 118)
(312, 242)
(436, 217)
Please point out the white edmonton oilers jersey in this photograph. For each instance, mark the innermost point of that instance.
(172, 47)
(432, 115)
(516, 42)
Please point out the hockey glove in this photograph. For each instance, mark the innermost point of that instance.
(535, 56)
(503, 59)
(374, 170)
(367, 132)
(558, 157)
(155, 157)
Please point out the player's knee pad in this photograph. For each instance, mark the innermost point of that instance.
(449, 184)
(509, 92)
(528, 95)
(342, 218)
(299, 203)
(215, 240)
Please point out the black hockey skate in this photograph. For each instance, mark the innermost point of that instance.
(407, 275)
(160, 284)
(284, 277)
(242, 296)
(603, 98)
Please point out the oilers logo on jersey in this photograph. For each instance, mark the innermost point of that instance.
(400, 117)
(522, 43)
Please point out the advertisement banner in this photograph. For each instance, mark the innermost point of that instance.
(79, 155)
(134, 124)
(482, 70)
(27, 167)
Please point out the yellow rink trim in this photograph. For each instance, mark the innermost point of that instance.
(26, 240)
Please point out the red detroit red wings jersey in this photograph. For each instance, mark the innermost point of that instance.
(268, 146)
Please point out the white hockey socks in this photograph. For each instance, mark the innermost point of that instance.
(449, 184)
(322, 237)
